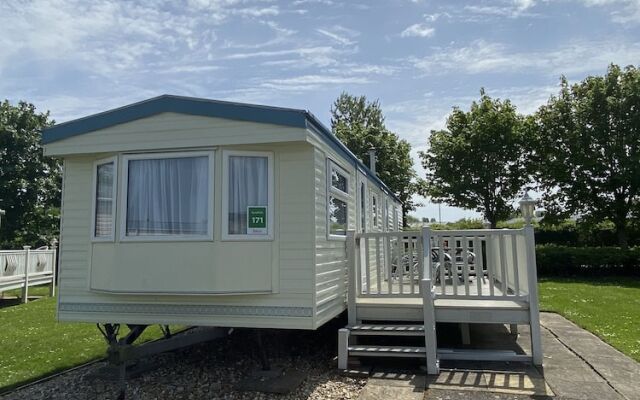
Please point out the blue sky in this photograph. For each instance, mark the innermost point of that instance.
(419, 58)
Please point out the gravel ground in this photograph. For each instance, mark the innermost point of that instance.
(211, 371)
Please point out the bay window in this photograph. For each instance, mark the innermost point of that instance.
(247, 205)
(168, 196)
(338, 201)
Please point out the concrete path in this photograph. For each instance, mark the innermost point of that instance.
(577, 365)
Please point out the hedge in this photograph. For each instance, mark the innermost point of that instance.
(555, 260)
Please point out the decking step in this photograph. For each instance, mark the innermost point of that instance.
(386, 351)
(387, 330)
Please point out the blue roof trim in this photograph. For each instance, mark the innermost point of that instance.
(208, 108)
(178, 104)
(341, 148)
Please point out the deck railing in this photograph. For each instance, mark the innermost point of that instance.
(486, 263)
(24, 268)
(390, 263)
(461, 264)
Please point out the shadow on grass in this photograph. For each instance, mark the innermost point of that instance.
(621, 281)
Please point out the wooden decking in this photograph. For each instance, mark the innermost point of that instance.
(400, 280)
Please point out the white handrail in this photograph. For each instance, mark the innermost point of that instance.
(462, 264)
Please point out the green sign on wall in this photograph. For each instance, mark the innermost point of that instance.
(256, 220)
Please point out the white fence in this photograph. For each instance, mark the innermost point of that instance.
(484, 263)
(25, 268)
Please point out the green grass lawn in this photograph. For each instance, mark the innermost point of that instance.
(608, 307)
(34, 345)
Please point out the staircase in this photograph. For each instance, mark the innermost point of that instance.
(351, 333)
(348, 344)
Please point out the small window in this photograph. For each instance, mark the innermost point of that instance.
(395, 219)
(248, 195)
(104, 199)
(374, 211)
(363, 207)
(338, 203)
(168, 196)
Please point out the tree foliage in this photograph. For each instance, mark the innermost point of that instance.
(477, 162)
(359, 124)
(586, 152)
(29, 181)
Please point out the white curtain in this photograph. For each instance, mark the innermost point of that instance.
(104, 200)
(248, 186)
(168, 196)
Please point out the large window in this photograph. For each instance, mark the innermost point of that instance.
(247, 210)
(168, 196)
(338, 204)
(104, 199)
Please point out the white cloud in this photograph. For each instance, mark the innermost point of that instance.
(418, 30)
(623, 12)
(481, 56)
(505, 8)
(312, 82)
(342, 35)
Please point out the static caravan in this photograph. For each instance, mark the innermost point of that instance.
(208, 213)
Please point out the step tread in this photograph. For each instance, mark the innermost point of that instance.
(366, 327)
(388, 349)
(389, 330)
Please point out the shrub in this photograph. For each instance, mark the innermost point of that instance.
(553, 260)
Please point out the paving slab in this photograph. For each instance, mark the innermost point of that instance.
(577, 365)
(616, 370)
(394, 385)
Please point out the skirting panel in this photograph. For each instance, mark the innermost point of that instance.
(186, 309)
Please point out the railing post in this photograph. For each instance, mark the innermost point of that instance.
(534, 317)
(431, 346)
(25, 290)
(426, 253)
(353, 278)
(54, 265)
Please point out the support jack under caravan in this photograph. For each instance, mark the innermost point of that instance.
(123, 357)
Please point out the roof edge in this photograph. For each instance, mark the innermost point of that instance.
(179, 104)
(318, 126)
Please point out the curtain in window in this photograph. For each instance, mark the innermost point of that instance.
(104, 200)
(248, 186)
(168, 196)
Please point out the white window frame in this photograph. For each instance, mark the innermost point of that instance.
(165, 238)
(375, 211)
(337, 193)
(94, 199)
(226, 236)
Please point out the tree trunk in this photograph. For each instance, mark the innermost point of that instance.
(621, 233)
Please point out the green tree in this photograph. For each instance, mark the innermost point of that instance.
(477, 162)
(29, 181)
(586, 152)
(359, 124)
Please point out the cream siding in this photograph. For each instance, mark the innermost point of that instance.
(174, 131)
(330, 262)
(286, 279)
(299, 279)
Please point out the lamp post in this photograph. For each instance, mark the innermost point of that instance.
(527, 207)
